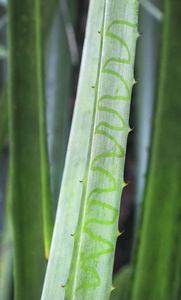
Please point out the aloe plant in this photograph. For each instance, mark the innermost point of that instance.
(82, 252)
(86, 228)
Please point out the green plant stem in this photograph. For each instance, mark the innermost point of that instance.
(157, 274)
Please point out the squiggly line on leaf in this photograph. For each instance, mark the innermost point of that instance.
(91, 199)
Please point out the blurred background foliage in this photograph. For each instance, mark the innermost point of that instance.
(147, 260)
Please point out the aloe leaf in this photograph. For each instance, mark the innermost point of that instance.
(25, 174)
(92, 244)
(58, 96)
(157, 274)
(45, 176)
(29, 169)
(148, 50)
(58, 69)
(75, 165)
(97, 230)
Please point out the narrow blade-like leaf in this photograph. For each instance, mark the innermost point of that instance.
(92, 245)
(75, 165)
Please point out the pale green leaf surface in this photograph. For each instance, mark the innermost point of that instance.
(97, 231)
(92, 252)
(70, 196)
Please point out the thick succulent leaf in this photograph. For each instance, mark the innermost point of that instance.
(25, 169)
(75, 165)
(157, 274)
(29, 167)
(83, 263)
